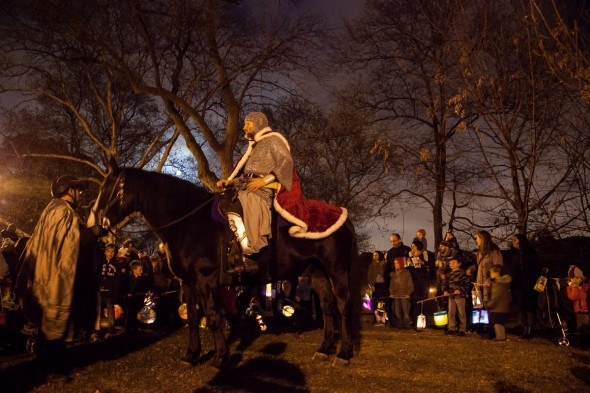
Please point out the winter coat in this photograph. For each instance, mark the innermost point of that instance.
(456, 280)
(394, 252)
(401, 283)
(524, 269)
(500, 297)
(484, 264)
(579, 295)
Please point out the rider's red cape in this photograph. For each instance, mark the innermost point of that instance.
(311, 219)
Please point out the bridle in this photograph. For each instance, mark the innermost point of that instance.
(101, 214)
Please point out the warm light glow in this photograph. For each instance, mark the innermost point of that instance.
(421, 322)
(269, 290)
(440, 318)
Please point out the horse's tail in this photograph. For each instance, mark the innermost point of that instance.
(354, 284)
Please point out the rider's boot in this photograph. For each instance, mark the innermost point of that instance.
(241, 263)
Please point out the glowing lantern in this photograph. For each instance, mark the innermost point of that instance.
(367, 302)
(147, 314)
(269, 290)
(421, 322)
(288, 311)
(480, 316)
(476, 299)
(431, 292)
(440, 318)
(182, 311)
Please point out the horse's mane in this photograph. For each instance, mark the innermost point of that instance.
(171, 189)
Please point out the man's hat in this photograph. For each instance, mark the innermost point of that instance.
(446, 244)
(62, 184)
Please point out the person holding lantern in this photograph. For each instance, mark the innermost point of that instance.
(401, 287)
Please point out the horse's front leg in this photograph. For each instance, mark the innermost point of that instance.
(194, 339)
(210, 292)
(321, 285)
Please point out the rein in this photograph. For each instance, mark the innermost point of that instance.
(202, 205)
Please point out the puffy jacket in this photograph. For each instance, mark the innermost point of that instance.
(579, 295)
(401, 283)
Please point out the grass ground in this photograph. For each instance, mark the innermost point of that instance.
(390, 360)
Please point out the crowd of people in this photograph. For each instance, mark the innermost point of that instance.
(459, 281)
(126, 276)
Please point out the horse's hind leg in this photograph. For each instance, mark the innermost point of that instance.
(321, 285)
(344, 302)
(194, 340)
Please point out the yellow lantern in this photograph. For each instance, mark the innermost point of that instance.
(440, 318)
(288, 311)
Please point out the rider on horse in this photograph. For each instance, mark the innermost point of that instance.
(266, 166)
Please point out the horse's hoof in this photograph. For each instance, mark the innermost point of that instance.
(320, 356)
(339, 362)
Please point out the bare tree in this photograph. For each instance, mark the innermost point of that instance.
(405, 54)
(204, 61)
(522, 130)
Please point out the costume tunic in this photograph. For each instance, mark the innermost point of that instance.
(267, 155)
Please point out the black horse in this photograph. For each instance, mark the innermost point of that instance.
(179, 212)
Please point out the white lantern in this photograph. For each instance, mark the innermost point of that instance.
(421, 322)
(476, 299)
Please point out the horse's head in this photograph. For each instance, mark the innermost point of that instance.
(113, 203)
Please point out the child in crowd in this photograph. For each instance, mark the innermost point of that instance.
(578, 292)
(455, 286)
(499, 301)
(400, 289)
(111, 278)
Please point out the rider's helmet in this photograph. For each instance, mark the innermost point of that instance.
(62, 184)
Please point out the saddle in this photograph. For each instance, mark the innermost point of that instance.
(227, 202)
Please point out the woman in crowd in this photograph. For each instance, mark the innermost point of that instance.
(487, 255)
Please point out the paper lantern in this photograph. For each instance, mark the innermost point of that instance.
(431, 292)
(541, 284)
(440, 318)
(182, 313)
(476, 299)
(480, 316)
(147, 315)
(288, 311)
(421, 322)
(367, 302)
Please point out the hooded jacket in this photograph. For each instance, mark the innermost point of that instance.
(500, 297)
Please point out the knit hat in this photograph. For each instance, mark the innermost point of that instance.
(446, 244)
(574, 271)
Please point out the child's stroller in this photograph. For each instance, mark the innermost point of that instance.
(555, 309)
